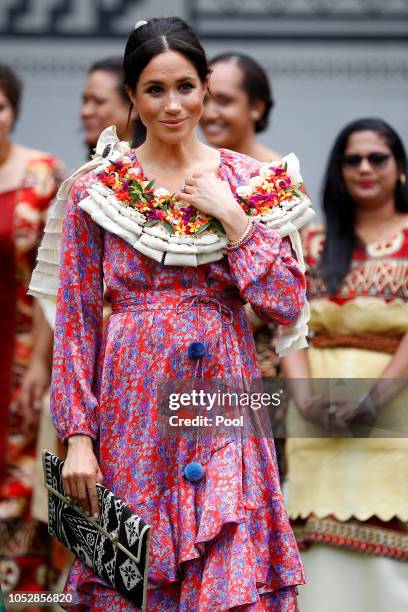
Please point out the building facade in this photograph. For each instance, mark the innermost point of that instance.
(330, 61)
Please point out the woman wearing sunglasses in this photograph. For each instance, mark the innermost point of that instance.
(348, 496)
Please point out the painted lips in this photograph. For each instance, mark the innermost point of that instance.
(366, 184)
(173, 123)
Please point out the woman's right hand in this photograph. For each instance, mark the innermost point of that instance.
(33, 386)
(80, 474)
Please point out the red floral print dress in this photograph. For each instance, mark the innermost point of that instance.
(223, 543)
(23, 541)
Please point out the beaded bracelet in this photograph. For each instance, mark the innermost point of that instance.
(241, 239)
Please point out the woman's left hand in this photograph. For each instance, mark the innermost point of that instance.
(209, 195)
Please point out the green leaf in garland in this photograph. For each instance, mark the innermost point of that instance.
(243, 200)
(168, 227)
(134, 183)
(297, 190)
(149, 197)
(135, 193)
(217, 226)
(136, 190)
(151, 222)
(203, 228)
(286, 166)
(149, 185)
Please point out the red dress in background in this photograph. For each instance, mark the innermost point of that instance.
(23, 541)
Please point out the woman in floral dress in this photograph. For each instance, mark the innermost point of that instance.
(236, 112)
(223, 542)
(28, 182)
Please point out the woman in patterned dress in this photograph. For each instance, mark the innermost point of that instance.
(236, 110)
(348, 496)
(224, 542)
(28, 182)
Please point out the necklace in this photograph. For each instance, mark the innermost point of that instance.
(380, 232)
(6, 153)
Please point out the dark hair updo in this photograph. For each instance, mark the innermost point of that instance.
(12, 88)
(255, 83)
(157, 36)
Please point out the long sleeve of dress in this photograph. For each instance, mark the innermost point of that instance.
(78, 326)
(268, 275)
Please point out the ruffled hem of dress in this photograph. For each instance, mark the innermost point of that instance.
(241, 551)
(168, 600)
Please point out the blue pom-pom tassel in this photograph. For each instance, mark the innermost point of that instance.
(193, 471)
(196, 350)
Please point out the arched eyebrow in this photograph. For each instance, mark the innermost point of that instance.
(182, 80)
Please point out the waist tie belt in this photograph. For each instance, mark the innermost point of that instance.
(194, 471)
(370, 342)
(181, 303)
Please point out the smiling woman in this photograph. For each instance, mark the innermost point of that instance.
(173, 321)
(169, 99)
(237, 106)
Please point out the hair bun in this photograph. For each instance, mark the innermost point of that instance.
(140, 23)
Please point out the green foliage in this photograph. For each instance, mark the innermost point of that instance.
(217, 226)
(203, 228)
(168, 227)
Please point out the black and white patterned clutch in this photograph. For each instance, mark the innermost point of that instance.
(116, 546)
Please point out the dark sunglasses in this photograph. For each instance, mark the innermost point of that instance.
(374, 159)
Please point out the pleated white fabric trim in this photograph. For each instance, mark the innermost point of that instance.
(155, 241)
